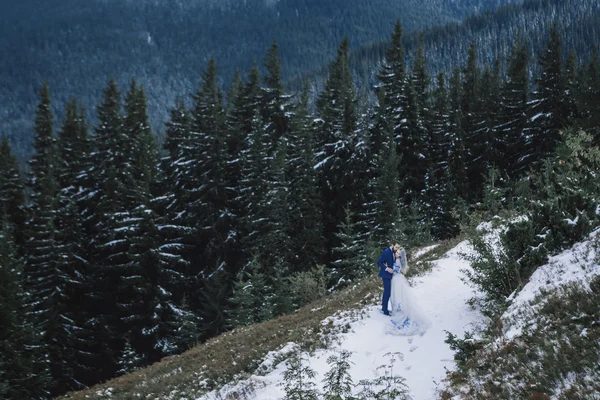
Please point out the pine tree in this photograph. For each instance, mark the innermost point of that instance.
(274, 101)
(297, 380)
(253, 296)
(142, 154)
(336, 109)
(493, 146)
(23, 365)
(414, 161)
(387, 183)
(457, 153)
(440, 195)
(471, 126)
(393, 105)
(338, 380)
(276, 240)
(12, 195)
(305, 212)
(43, 280)
(589, 98)
(69, 346)
(513, 114)
(113, 196)
(208, 206)
(548, 110)
(349, 257)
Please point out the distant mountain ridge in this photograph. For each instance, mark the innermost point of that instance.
(165, 44)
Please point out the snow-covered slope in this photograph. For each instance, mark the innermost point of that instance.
(424, 359)
(578, 264)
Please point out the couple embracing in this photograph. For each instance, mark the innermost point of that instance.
(406, 316)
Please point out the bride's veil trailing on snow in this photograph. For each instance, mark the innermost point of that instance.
(407, 316)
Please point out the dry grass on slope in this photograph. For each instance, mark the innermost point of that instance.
(235, 353)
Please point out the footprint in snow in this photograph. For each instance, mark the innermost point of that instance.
(413, 348)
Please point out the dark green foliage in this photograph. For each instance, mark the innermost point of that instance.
(349, 259)
(23, 366)
(253, 296)
(549, 109)
(12, 195)
(338, 380)
(440, 196)
(298, 380)
(305, 208)
(464, 349)
(388, 385)
(336, 107)
(513, 115)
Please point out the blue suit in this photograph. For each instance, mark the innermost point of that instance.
(386, 260)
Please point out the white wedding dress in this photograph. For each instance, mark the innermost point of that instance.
(407, 317)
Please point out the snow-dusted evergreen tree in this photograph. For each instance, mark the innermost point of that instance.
(305, 212)
(48, 283)
(336, 107)
(129, 360)
(274, 100)
(276, 240)
(113, 196)
(394, 102)
(440, 196)
(386, 201)
(253, 188)
(471, 124)
(143, 153)
(349, 259)
(415, 159)
(549, 111)
(338, 380)
(456, 152)
(589, 95)
(298, 381)
(24, 369)
(71, 257)
(253, 296)
(208, 209)
(40, 276)
(513, 115)
(387, 386)
(492, 145)
(12, 195)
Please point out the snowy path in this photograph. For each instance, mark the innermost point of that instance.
(442, 296)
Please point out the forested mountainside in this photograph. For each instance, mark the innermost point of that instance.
(76, 46)
(493, 33)
(114, 257)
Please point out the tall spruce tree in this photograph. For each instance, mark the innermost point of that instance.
(112, 198)
(457, 153)
(336, 107)
(440, 195)
(305, 211)
(414, 161)
(513, 115)
(23, 364)
(387, 181)
(71, 258)
(393, 105)
(549, 112)
(12, 195)
(274, 100)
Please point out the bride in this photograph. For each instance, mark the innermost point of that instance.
(407, 317)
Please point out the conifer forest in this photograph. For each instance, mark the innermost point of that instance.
(119, 246)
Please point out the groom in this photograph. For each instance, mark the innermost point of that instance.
(386, 263)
